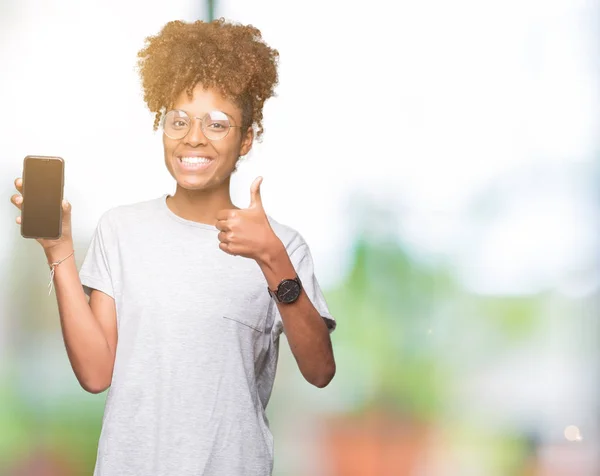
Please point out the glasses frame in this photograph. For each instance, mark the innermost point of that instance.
(191, 118)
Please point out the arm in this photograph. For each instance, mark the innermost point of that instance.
(305, 329)
(89, 329)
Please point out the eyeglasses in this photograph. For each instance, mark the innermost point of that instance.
(215, 125)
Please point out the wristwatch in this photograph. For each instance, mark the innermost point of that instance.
(287, 291)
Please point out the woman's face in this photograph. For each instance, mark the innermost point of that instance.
(222, 154)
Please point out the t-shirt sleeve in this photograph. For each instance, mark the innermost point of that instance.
(302, 260)
(95, 272)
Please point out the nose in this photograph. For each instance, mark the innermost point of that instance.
(195, 135)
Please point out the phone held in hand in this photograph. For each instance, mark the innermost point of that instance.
(43, 185)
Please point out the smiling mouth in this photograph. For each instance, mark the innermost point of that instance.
(194, 163)
(194, 160)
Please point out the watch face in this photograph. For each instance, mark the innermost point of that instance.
(289, 290)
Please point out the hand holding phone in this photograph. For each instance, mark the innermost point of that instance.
(44, 216)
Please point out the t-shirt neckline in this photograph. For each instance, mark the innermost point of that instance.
(165, 207)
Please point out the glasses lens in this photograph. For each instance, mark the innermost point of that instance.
(176, 124)
(215, 125)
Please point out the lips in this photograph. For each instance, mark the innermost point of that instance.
(194, 167)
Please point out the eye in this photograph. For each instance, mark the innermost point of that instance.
(179, 123)
(218, 125)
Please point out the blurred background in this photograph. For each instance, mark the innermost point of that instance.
(451, 206)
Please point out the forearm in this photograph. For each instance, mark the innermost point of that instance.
(86, 345)
(305, 329)
(309, 340)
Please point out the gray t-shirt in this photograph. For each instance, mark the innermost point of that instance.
(198, 343)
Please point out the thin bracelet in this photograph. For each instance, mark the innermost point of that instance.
(52, 266)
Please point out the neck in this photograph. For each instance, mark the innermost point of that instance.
(200, 206)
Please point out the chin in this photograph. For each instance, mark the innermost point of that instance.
(186, 184)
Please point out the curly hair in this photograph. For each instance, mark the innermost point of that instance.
(230, 57)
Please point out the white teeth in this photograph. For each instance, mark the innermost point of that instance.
(194, 160)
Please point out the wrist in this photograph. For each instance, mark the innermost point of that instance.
(272, 252)
(58, 252)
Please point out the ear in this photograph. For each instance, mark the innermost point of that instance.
(247, 141)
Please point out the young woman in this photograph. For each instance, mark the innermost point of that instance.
(188, 294)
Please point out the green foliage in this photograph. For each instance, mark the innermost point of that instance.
(71, 427)
(516, 317)
(391, 309)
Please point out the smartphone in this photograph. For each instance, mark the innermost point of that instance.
(41, 209)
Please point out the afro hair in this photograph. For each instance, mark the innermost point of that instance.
(229, 57)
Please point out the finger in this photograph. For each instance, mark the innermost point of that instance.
(226, 248)
(255, 198)
(226, 214)
(223, 225)
(225, 236)
(66, 206)
(19, 184)
(17, 200)
(18, 220)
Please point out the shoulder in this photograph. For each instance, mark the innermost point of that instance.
(289, 236)
(122, 215)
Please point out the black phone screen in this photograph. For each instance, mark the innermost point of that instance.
(41, 211)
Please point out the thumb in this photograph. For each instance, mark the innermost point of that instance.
(255, 198)
(66, 206)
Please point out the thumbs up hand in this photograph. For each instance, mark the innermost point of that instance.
(247, 231)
